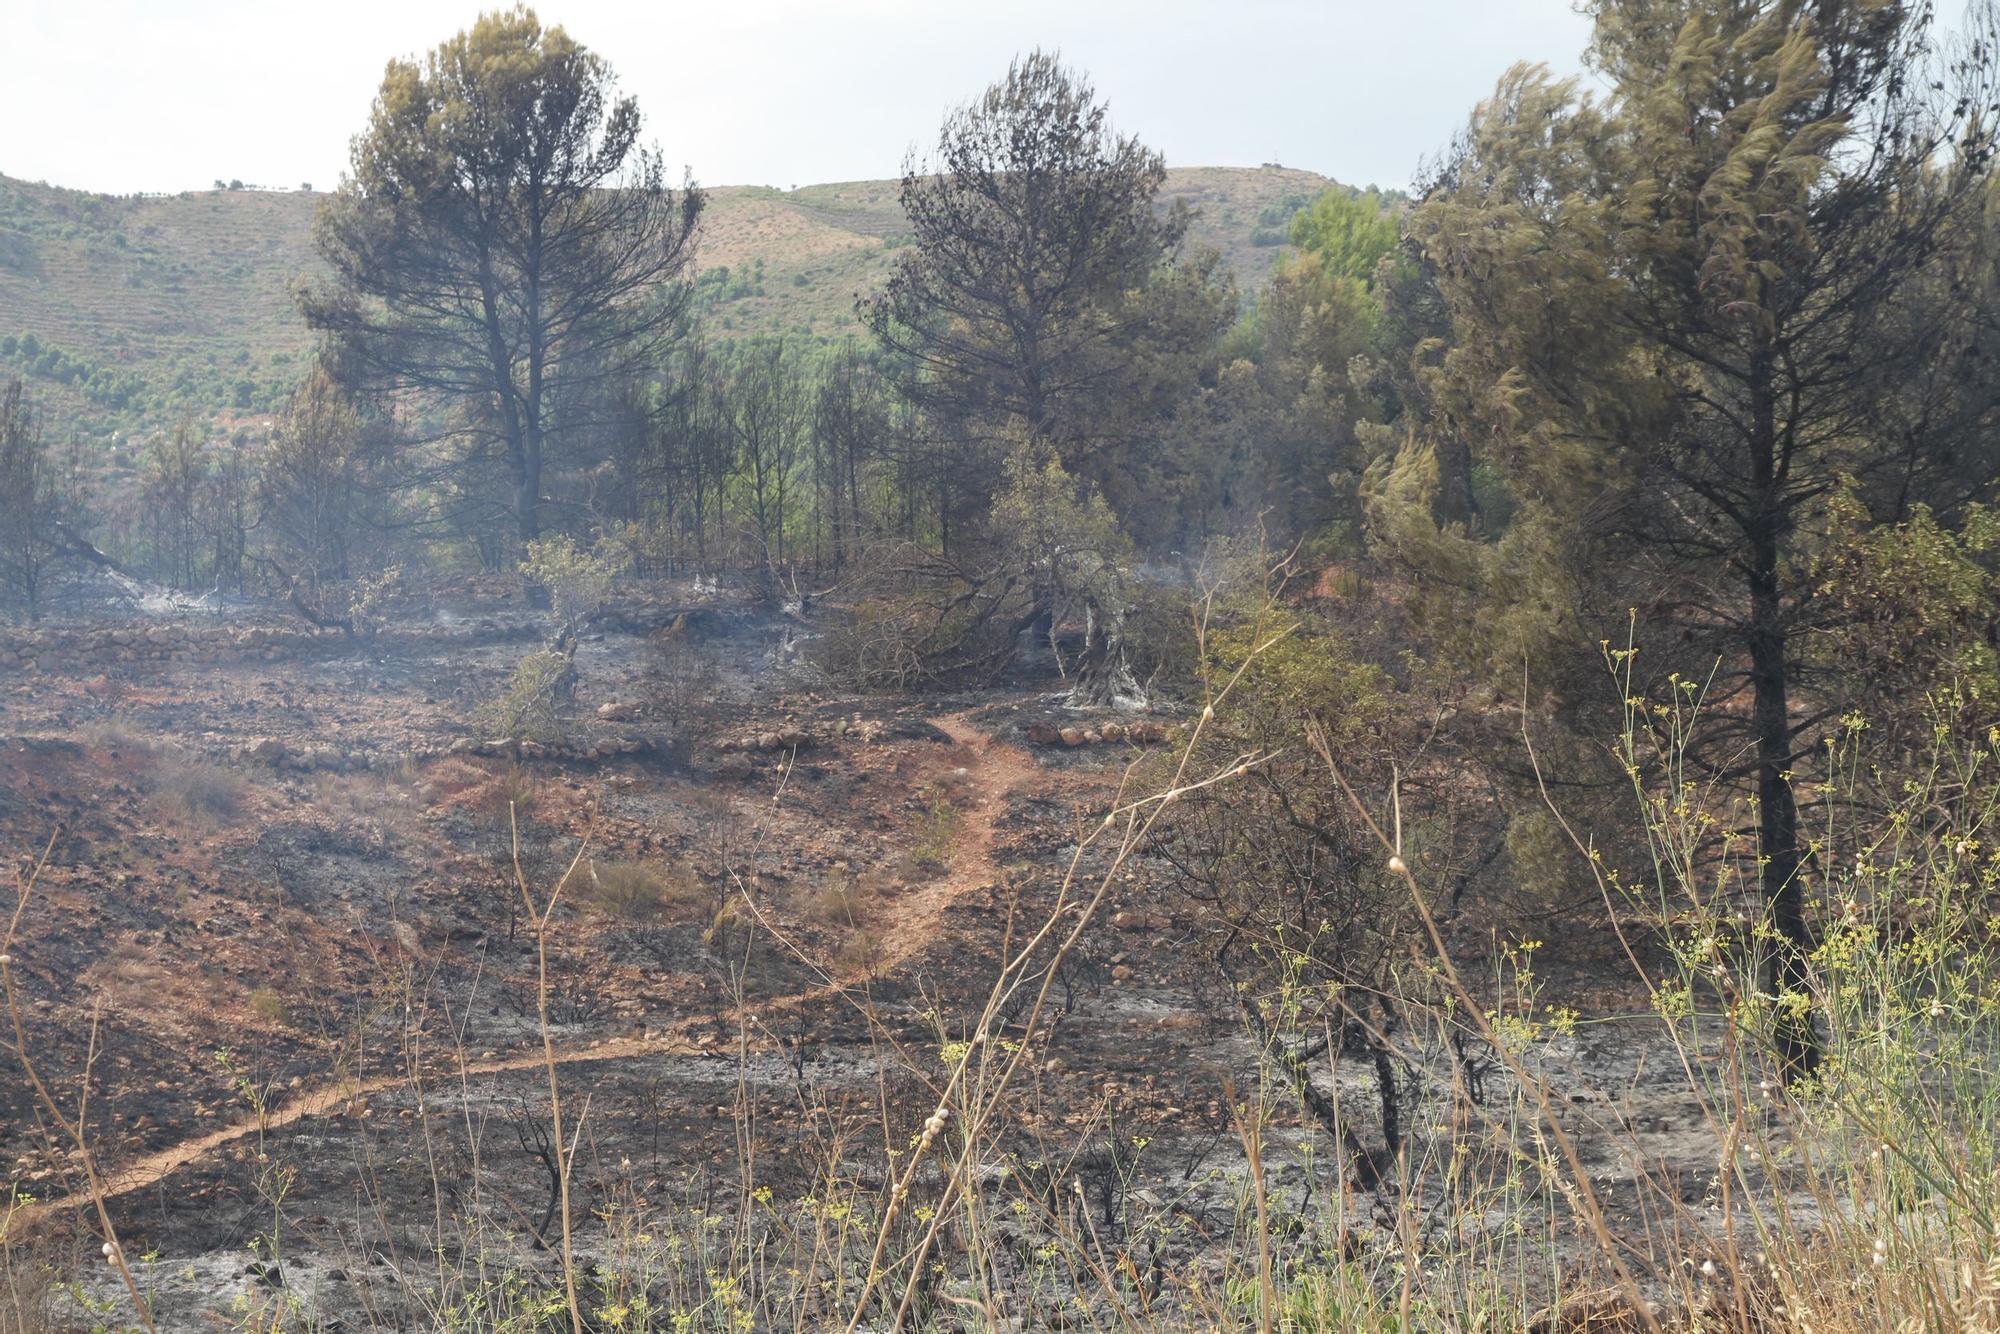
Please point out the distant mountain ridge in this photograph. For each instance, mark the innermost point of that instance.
(125, 312)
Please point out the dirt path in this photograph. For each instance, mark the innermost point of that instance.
(334, 1099)
(995, 770)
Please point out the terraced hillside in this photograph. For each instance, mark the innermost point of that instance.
(126, 312)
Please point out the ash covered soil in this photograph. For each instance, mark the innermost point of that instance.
(281, 922)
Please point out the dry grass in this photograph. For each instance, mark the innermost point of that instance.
(30, 1280)
(511, 795)
(270, 1006)
(642, 891)
(388, 797)
(195, 794)
(937, 829)
(842, 897)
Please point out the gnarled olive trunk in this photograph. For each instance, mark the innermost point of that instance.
(1103, 676)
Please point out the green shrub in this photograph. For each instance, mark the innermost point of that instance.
(535, 704)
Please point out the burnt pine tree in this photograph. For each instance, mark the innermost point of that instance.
(1684, 319)
(504, 242)
(311, 481)
(1036, 231)
(31, 531)
(1044, 313)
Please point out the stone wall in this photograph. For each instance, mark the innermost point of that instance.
(65, 648)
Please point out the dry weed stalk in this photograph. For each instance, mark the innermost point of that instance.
(1582, 1197)
(563, 1152)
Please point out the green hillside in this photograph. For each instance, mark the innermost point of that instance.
(125, 312)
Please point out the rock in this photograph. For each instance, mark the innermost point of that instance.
(1113, 732)
(1071, 736)
(268, 750)
(733, 767)
(769, 741)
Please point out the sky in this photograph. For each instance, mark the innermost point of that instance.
(167, 95)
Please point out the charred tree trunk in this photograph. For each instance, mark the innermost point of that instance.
(1784, 963)
(1364, 1164)
(1783, 966)
(1360, 1160)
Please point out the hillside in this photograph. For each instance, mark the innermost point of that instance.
(125, 312)
(122, 312)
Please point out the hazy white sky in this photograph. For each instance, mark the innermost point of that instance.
(125, 95)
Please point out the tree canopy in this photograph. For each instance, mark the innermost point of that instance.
(1685, 318)
(1040, 293)
(505, 242)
